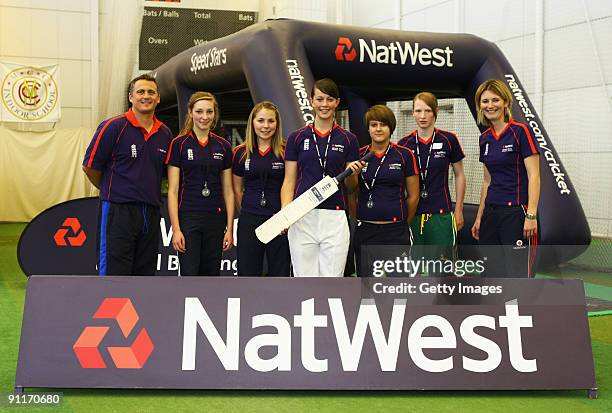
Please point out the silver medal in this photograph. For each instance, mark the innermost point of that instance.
(205, 192)
(370, 203)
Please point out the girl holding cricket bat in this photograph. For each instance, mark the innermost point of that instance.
(319, 241)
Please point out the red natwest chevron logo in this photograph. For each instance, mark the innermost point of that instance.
(345, 50)
(86, 347)
(70, 233)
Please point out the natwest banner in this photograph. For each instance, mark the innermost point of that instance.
(266, 333)
(62, 239)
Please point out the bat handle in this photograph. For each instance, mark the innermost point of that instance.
(340, 177)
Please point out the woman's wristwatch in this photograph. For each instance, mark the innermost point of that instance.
(531, 216)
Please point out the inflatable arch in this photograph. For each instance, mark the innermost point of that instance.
(279, 60)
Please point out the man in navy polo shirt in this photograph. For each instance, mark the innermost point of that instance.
(125, 161)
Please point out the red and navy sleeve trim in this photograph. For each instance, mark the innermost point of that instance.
(451, 138)
(239, 151)
(99, 138)
(404, 141)
(178, 141)
(345, 133)
(414, 161)
(532, 144)
(483, 135)
(363, 150)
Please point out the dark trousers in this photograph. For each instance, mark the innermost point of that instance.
(508, 253)
(204, 234)
(377, 234)
(128, 238)
(251, 251)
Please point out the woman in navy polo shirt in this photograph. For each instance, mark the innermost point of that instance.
(436, 221)
(507, 214)
(383, 212)
(200, 195)
(258, 171)
(319, 241)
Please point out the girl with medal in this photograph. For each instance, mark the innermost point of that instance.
(258, 172)
(200, 195)
(319, 241)
(383, 210)
(507, 214)
(436, 221)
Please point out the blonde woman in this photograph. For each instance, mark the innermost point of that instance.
(507, 214)
(258, 172)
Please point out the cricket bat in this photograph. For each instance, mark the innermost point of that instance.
(303, 204)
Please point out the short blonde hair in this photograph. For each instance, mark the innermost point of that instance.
(500, 89)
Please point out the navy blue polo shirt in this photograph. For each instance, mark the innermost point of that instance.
(343, 148)
(263, 171)
(201, 165)
(504, 156)
(445, 149)
(388, 193)
(130, 158)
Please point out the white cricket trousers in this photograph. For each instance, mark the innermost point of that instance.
(319, 244)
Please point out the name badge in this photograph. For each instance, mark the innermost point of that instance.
(437, 145)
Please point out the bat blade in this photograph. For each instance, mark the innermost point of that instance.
(303, 204)
(299, 207)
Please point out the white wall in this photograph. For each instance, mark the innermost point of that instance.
(311, 10)
(576, 72)
(44, 32)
